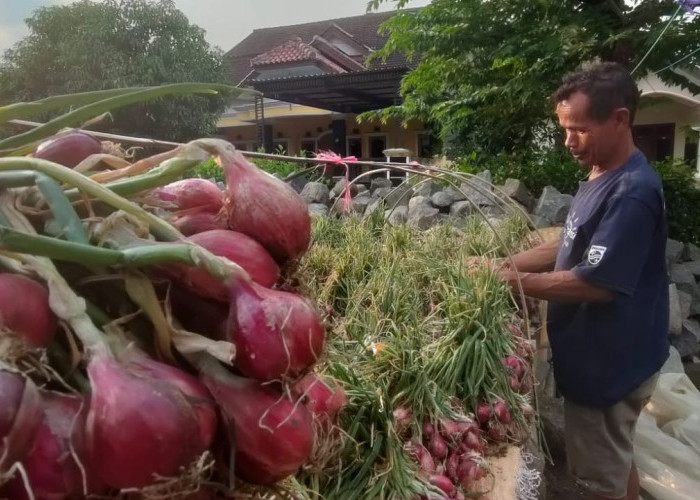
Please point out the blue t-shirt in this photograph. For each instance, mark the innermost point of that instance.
(614, 238)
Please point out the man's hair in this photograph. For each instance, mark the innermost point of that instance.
(608, 85)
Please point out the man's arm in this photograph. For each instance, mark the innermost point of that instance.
(540, 259)
(560, 286)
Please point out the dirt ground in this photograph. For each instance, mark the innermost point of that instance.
(558, 484)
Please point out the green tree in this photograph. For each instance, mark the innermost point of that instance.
(118, 43)
(485, 69)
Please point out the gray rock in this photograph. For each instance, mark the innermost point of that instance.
(298, 183)
(692, 326)
(442, 199)
(673, 362)
(686, 343)
(382, 192)
(517, 190)
(685, 300)
(421, 215)
(461, 209)
(693, 267)
(221, 185)
(553, 205)
(692, 370)
(316, 192)
(675, 324)
(684, 279)
(318, 209)
(540, 222)
(379, 182)
(361, 188)
(399, 196)
(360, 204)
(456, 194)
(690, 252)
(339, 189)
(418, 200)
(375, 204)
(674, 250)
(397, 216)
(479, 189)
(426, 189)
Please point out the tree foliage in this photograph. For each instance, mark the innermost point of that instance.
(118, 43)
(485, 69)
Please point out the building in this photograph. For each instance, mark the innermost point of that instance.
(316, 79)
(668, 119)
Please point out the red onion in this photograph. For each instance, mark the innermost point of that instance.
(497, 432)
(437, 446)
(190, 195)
(264, 207)
(483, 412)
(515, 365)
(68, 149)
(190, 224)
(50, 464)
(138, 426)
(189, 386)
(277, 334)
(402, 416)
(469, 472)
(319, 398)
(442, 482)
(20, 417)
(273, 435)
(527, 410)
(236, 247)
(25, 311)
(428, 429)
(451, 465)
(453, 430)
(500, 410)
(514, 383)
(525, 386)
(421, 455)
(472, 440)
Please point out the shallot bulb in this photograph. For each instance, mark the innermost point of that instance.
(277, 334)
(68, 149)
(189, 224)
(20, 417)
(264, 207)
(322, 400)
(55, 462)
(139, 426)
(234, 246)
(188, 195)
(25, 311)
(273, 435)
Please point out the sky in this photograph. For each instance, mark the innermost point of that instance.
(226, 22)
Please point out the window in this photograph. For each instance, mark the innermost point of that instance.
(655, 141)
(241, 146)
(377, 144)
(308, 147)
(354, 146)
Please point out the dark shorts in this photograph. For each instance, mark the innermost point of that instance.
(599, 441)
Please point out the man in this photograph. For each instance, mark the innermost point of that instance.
(605, 281)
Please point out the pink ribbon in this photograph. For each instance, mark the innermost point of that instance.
(336, 159)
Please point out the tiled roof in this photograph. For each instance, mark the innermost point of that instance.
(290, 51)
(363, 28)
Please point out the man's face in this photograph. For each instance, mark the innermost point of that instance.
(590, 142)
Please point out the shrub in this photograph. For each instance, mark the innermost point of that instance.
(682, 200)
(210, 170)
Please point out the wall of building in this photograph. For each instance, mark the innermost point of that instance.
(297, 131)
(658, 111)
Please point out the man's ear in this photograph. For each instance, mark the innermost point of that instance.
(621, 117)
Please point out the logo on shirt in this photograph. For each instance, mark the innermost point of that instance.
(570, 229)
(595, 254)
